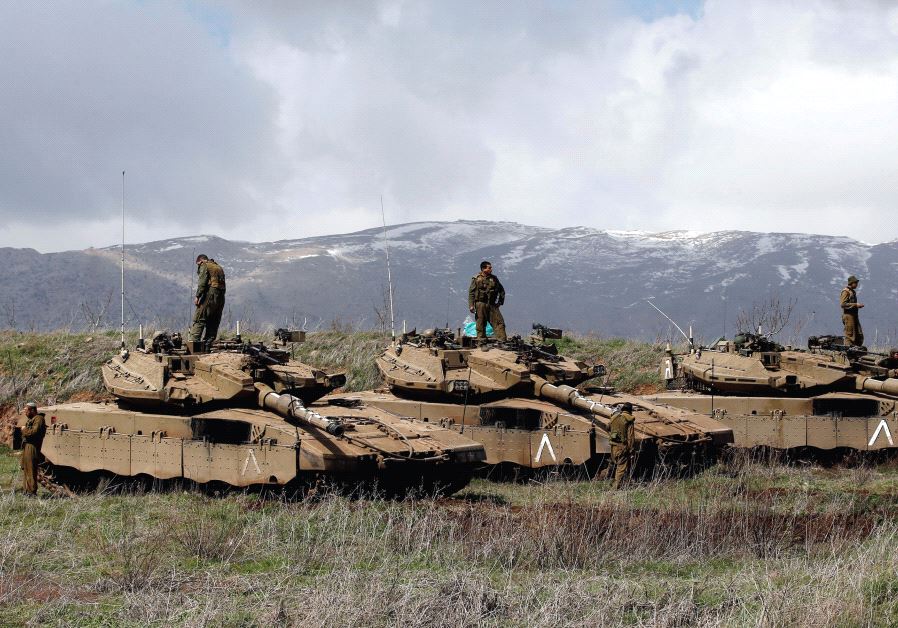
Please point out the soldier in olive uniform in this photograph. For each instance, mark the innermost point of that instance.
(854, 335)
(622, 439)
(210, 299)
(32, 438)
(485, 296)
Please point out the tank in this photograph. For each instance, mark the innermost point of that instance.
(242, 414)
(826, 396)
(519, 399)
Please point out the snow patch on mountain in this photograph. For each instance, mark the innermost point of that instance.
(578, 277)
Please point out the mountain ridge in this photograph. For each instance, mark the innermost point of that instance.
(580, 278)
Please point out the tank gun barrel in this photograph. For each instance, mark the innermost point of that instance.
(887, 386)
(292, 407)
(569, 395)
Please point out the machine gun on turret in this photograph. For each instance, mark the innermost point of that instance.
(542, 333)
(748, 343)
(860, 359)
(265, 356)
(288, 336)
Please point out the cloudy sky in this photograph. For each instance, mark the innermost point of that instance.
(281, 120)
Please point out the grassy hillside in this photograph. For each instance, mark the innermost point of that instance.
(745, 543)
(60, 366)
(741, 545)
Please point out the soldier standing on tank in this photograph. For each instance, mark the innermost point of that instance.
(485, 296)
(622, 439)
(209, 301)
(854, 335)
(32, 438)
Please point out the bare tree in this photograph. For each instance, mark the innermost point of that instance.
(8, 312)
(95, 312)
(770, 315)
(382, 309)
(69, 323)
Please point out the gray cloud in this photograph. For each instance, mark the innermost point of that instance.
(270, 120)
(139, 87)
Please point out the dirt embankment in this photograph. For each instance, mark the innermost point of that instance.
(8, 417)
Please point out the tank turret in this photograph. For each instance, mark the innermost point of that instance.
(168, 373)
(519, 399)
(826, 396)
(246, 414)
(754, 365)
(436, 366)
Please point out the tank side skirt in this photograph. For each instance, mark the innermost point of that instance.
(821, 432)
(165, 458)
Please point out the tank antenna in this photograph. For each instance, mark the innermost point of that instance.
(123, 260)
(448, 301)
(383, 216)
(671, 320)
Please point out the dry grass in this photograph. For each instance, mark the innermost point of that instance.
(747, 544)
(744, 543)
(52, 366)
(633, 366)
(352, 352)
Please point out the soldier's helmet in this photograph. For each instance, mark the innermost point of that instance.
(853, 279)
(626, 407)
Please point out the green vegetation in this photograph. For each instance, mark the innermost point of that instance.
(742, 544)
(352, 352)
(53, 366)
(633, 366)
(60, 365)
(746, 542)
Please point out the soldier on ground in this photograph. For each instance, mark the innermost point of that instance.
(32, 438)
(485, 296)
(622, 440)
(209, 301)
(854, 335)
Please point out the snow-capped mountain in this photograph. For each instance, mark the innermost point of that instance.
(577, 278)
